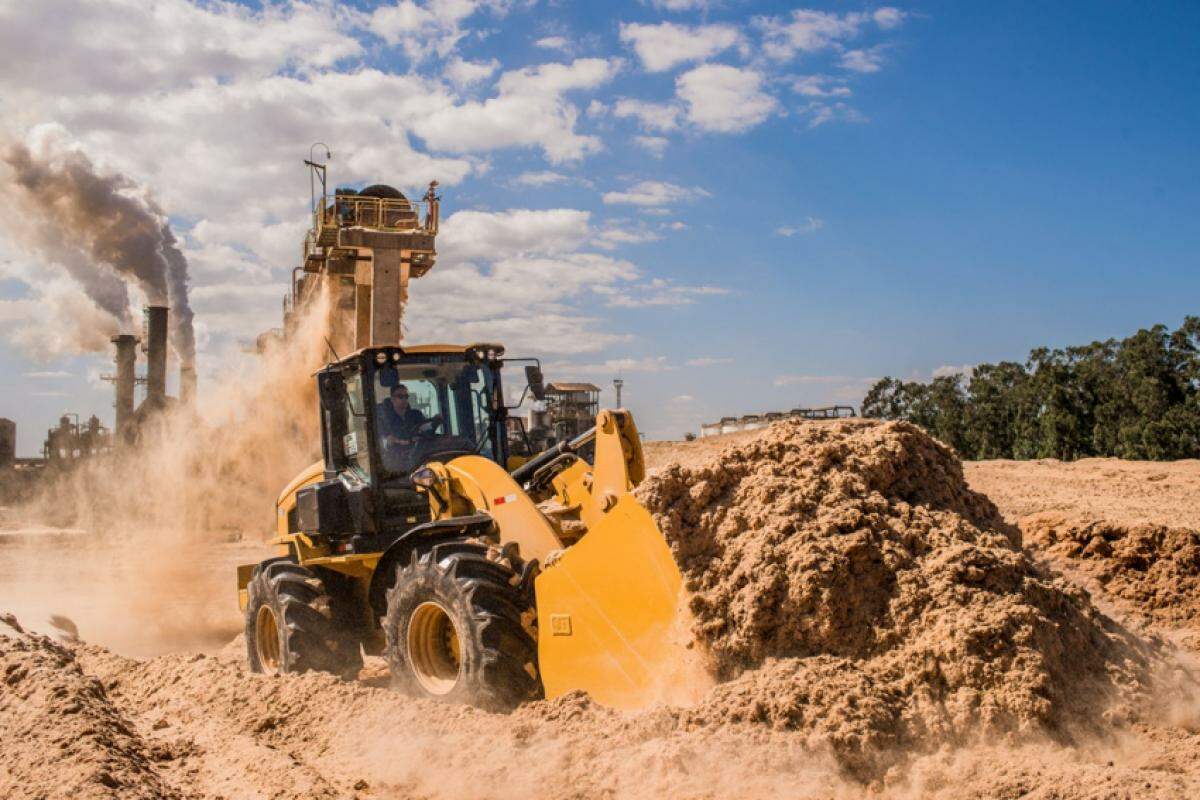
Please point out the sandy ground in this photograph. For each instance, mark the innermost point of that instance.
(133, 598)
(158, 702)
(1120, 492)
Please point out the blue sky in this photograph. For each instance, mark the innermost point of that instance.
(820, 194)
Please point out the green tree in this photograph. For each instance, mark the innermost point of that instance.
(1134, 398)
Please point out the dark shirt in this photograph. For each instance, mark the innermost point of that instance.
(393, 424)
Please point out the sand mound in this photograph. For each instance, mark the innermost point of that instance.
(1152, 570)
(848, 583)
(62, 737)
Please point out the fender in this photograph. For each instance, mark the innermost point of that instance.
(416, 538)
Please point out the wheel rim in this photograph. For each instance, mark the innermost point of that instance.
(434, 649)
(266, 639)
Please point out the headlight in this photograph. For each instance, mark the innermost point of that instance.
(424, 477)
(380, 358)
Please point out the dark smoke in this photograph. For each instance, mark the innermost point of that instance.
(103, 218)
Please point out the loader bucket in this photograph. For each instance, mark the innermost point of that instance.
(612, 619)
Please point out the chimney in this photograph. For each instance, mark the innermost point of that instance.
(187, 385)
(156, 354)
(125, 379)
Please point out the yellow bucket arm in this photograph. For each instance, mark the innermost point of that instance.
(611, 616)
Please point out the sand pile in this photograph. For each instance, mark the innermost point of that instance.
(62, 736)
(1153, 571)
(848, 584)
(214, 731)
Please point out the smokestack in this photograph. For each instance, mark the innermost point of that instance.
(156, 354)
(125, 378)
(187, 384)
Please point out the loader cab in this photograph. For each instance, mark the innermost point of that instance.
(388, 410)
(372, 443)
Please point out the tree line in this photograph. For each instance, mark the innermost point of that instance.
(1136, 398)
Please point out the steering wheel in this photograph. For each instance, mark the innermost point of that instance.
(428, 428)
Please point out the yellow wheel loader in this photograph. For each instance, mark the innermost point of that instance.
(481, 579)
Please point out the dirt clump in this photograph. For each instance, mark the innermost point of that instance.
(63, 737)
(848, 584)
(1152, 571)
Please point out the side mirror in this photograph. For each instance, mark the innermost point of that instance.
(533, 375)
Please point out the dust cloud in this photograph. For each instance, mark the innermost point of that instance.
(138, 547)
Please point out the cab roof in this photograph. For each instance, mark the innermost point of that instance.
(439, 348)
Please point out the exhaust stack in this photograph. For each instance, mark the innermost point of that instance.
(125, 379)
(156, 355)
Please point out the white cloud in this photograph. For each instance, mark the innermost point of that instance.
(518, 276)
(527, 300)
(49, 374)
(560, 43)
(675, 226)
(807, 31)
(888, 17)
(819, 86)
(708, 361)
(613, 237)
(665, 45)
(654, 145)
(56, 320)
(468, 73)
(425, 29)
(659, 117)
(529, 111)
(540, 178)
(820, 113)
(724, 99)
(949, 370)
(810, 225)
(654, 193)
(659, 292)
(123, 47)
(680, 5)
(494, 235)
(869, 60)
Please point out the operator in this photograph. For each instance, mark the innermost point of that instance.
(399, 423)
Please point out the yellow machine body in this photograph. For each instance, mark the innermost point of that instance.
(609, 595)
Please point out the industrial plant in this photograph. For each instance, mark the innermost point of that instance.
(73, 440)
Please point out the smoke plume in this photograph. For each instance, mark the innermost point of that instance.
(103, 229)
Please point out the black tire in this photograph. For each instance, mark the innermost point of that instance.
(495, 664)
(309, 635)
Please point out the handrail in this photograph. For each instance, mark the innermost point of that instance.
(379, 213)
